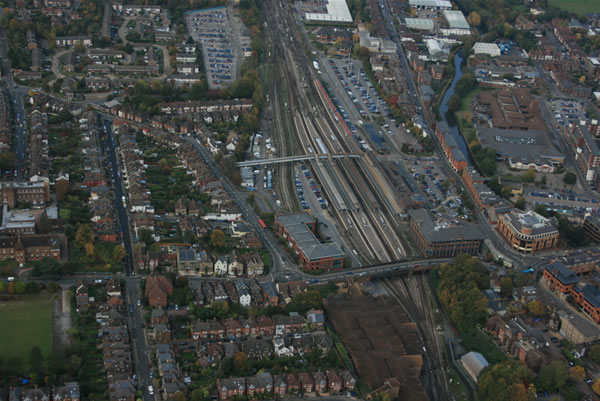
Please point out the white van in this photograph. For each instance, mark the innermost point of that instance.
(150, 390)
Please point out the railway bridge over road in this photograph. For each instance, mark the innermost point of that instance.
(286, 159)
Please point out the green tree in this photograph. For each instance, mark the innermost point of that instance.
(553, 376)
(570, 178)
(454, 103)
(529, 175)
(3, 286)
(146, 237)
(504, 381)
(36, 359)
(506, 286)
(594, 353)
(46, 267)
(52, 287)
(521, 203)
(20, 286)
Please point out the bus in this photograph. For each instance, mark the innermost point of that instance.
(262, 223)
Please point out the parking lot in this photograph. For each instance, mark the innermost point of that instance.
(423, 177)
(212, 29)
(566, 202)
(567, 111)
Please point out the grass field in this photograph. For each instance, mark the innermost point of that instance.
(24, 323)
(579, 7)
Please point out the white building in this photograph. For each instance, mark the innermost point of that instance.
(243, 293)
(431, 4)
(221, 265)
(491, 49)
(457, 23)
(337, 11)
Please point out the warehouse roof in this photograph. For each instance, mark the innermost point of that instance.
(474, 363)
(296, 225)
(430, 3)
(419, 23)
(435, 231)
(456, 19)
(337, 11)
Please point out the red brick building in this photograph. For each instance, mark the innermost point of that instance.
(528, 231)
(563, 282)
(158, 289)
(298, 229)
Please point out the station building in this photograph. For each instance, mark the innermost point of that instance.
(298, 229)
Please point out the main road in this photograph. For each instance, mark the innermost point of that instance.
(20, 131)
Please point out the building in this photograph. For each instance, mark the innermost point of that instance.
(30, 248)
(457, 23)
(25, 193)
(436, 239)
(419, 24)
(337, 12)
(62, 41)
(68, 392)
(455, 155)
(473, 363)
(491, 49)
(158, 289)
(578, 330)
(563, 282)
(591, 225)
(587, 151)
(298, 230)
(527, 231)
(431, 4)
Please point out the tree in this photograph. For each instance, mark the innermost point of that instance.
(577, 374)
(506, 286)
(521, 203)
(594, 353)
(474, 18)
(11, 287)
(217, 238)
(570, 178)
(84, 234)
(552, 377)
(46, 267)
(529, 175)
(89, 249)
(119, 252)
(43, 224)
(596, 387)
(146, 237)
(536, 308)
(504, 381)
(3, 286)
(240, 364)
(20, 286)
(36, 359)
(454, 103)
(52, 287)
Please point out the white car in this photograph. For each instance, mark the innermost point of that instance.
(150, 390)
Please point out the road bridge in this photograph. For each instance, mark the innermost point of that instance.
(286, 159)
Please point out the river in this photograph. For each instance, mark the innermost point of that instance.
(444, 108)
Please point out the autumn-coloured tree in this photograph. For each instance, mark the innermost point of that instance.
(577, 374)
(536, 307)
(474, 18)
(596, 387)
(217, 238)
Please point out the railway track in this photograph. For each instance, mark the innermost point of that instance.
(350, 194)
(413, 295)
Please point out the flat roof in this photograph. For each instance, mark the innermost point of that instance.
(527, 146)
(296, 225)
(456, 19)
(431, 3)
(435, 232)
(337, 11)
(419, 23)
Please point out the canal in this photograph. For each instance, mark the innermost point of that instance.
(458, 60)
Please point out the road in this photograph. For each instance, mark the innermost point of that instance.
(20, 132)
(278, 255)
(118, 189)
(139, 347)
(56, 65)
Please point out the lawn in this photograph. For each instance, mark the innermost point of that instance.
(579, 7)
(25, 322)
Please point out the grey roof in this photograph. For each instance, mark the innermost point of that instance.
(435, 233)
(531, 221)
(530, 146)
(474, 362)
(563, 273)
(456, 19)
(296, 225)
